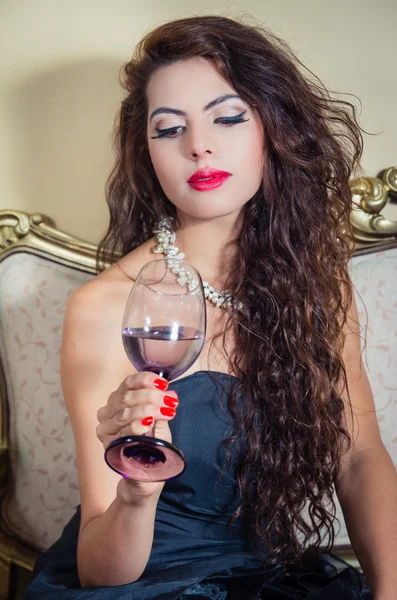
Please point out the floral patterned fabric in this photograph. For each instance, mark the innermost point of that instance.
(43, 493)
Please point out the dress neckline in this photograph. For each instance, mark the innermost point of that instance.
(202, 372)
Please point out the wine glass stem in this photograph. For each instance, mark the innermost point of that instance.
(150, 433)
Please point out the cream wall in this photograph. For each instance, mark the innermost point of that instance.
(59, 91)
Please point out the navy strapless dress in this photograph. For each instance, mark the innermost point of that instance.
(195, 556)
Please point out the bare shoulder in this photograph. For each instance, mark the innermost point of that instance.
(93, 319)
(107, 293)
(101, 296)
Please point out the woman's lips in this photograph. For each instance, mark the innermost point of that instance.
(208, 179)
(208, 184)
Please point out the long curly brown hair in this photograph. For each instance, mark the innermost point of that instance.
(290, 271)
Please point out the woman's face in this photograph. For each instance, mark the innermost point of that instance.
(196, 121)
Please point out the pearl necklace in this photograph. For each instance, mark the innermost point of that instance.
(166, 237)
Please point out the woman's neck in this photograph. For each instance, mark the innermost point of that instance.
(208, 246)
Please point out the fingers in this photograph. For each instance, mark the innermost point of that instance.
(133, 410)
(123, 396)
(143, 380)
(119, 410)
(129, 420)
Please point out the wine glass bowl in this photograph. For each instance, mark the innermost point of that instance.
(163, 332)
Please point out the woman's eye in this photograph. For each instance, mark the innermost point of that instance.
(170, 132)
(173, 132)
(232, 120)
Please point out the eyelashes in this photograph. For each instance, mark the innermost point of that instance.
(172, 132)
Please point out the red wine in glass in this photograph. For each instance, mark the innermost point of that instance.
(163, 332)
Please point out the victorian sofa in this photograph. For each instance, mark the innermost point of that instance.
(39, 268)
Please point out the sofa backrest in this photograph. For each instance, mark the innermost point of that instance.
(43, 492)
(40, 267)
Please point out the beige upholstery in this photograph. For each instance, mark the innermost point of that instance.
(375, 278)
(41, 491)
(39, 269)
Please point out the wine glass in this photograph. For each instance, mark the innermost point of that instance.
(163, 332)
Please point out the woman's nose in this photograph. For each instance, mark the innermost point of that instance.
(199, 153)
(200, 143)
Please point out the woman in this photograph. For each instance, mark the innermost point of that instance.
(247, 519)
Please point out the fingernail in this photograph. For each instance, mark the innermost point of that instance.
(160, 384)
(168, 412)
(170, 401)
(147, 421)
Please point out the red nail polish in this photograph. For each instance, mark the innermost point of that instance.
(170, 401)
(167, 412)
(147, 421)
(160, 384)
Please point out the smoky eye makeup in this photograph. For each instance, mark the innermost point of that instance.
(175, 130)
(240, 118)
(167, 132)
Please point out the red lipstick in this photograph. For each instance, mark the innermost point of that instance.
(207, 179)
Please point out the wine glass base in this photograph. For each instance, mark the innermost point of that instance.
(144, 458)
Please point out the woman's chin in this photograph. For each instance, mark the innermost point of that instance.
(208, 210)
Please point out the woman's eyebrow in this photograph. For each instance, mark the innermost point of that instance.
(181, 113)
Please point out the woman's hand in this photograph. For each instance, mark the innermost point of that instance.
(139, 404)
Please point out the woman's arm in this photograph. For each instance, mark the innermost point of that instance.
(114, 548)
(367, 482)
(117, 522)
